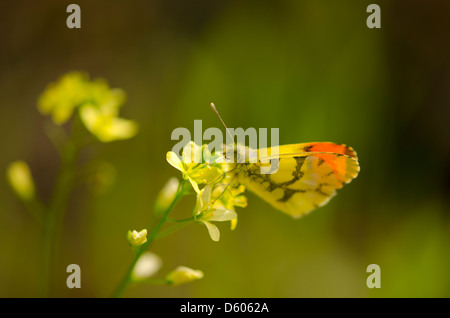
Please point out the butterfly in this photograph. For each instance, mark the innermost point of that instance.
(308, 175)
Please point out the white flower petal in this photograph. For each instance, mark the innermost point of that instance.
(206, 194)
(147, 265)
(222, 215)
(198, 204)
(194, 185)
(214, 232)
(174, 161)
(192, 153)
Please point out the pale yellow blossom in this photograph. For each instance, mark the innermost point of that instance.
(136, 238)
(182, 275)
(197, 165)
(147, 265)
(208, 211)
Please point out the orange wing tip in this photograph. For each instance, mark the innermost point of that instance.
(341, 149)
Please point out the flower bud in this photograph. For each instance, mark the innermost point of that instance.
(20, 179)
(182, 275)
(147, 265)
(166, 195)
(137, 238)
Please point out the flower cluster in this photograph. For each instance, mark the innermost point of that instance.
(91, 107)
(98, 106)
(197, 165)
(220, 194)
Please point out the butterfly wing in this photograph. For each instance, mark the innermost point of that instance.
(308, 175)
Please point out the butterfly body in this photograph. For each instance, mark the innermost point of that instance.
(307, 177)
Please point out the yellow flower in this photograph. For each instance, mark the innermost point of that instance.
(20, 179)
(103, 123)
(230, 196)
(98, 106)
(101, 95)
(208, 211)
(60, 99)
(136, 238)
(147, 265)
(182, 275)
(197, 165)
(100, 113)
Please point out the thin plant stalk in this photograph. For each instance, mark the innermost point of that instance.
(55, 215)
(127, 278)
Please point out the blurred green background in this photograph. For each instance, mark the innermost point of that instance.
(311, 68)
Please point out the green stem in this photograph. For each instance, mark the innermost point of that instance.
(182, 220)
(68, 147)
(127, 278)
(55, 215)
(173, 229)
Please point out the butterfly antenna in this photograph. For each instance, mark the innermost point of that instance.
(226, 187)
(217, 113)
(221, 176)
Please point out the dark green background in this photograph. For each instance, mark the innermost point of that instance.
(311, 68)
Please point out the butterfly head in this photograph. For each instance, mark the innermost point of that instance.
(238, 153)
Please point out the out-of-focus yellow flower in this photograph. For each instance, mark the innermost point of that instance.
(147, 265)
(137, 238)
(103, 123)
(207, 211)
(197, 165)
(20, 179)
(61, 98)
(98, 106)
(182, 275)
(101, 95)
(166, 195)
